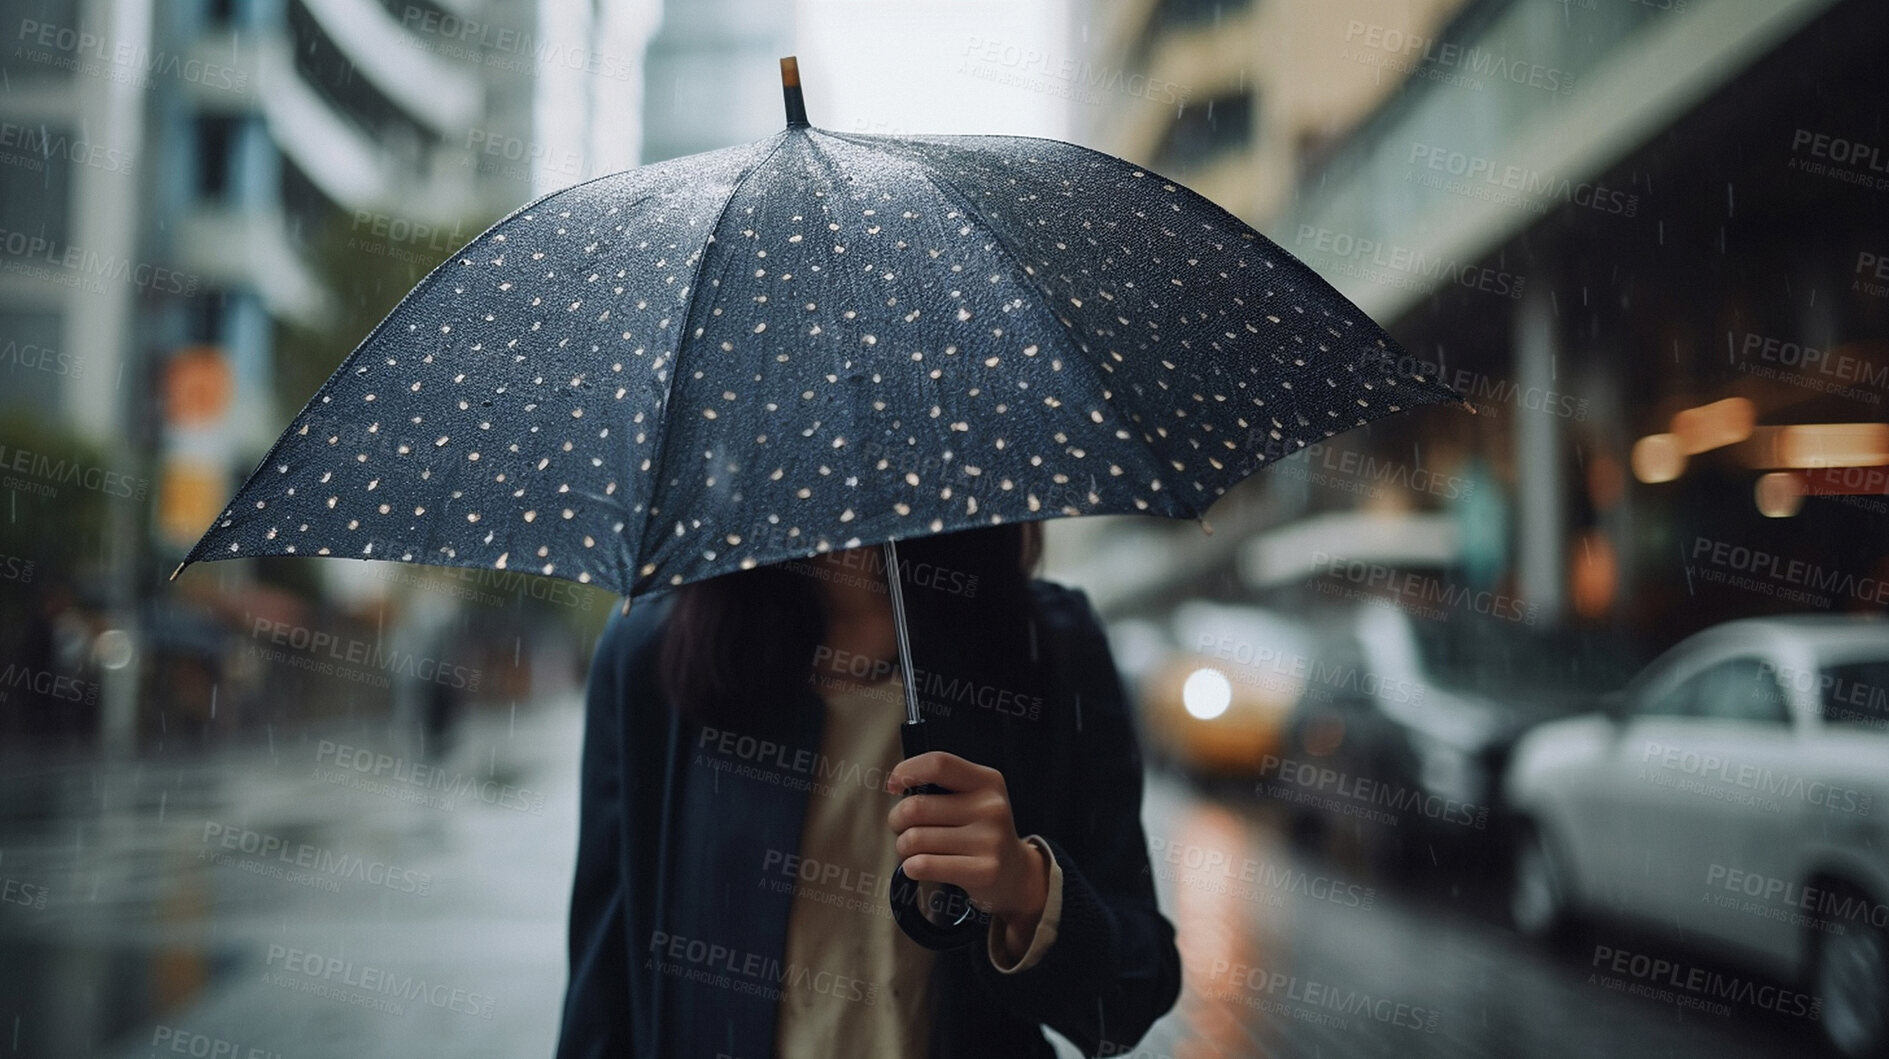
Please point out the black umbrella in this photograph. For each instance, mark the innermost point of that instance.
(815, 341)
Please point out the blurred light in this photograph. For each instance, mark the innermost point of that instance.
(191, 493)
(198, 384)
(1595, 577)
(1658, 458)
(1780, 494)
(1606, 483)
(1714, 425)
(1207, 693)
(1820, 445)
(1291, 552)
(112, 649)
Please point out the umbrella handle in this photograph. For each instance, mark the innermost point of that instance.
(957, 933)
(968, 923)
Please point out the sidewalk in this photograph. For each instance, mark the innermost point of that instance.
(322, 898)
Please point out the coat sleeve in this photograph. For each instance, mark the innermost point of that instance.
(1113, 969)
(596, 1001)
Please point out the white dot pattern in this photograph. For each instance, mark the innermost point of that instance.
(817, 341)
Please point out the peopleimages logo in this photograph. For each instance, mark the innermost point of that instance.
(349, 651)
(1810, 368)
(43, 473)
(1208, 864)
(373, 982)
(1313, 677)
(1080, 79)
(1695, 987)
(1353, 471)
(1421, 589)
(1512, 185)
(1850, 161)
(1872, 274)
(1488, 393)
(1832, 906)
(382, 773)
(1457, 63)
(503, 47)
(1320, 998)
(282, 858)
(26, 356)
(46, 683)
(35, 144)
(1314, 777)
(204, 1046)
(24, 250)
(1404, 267)
(25, 894)
(1762, 780)
(65, 48)
(712, 963)
(1778, 575)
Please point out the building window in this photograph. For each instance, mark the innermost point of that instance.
(1204, 131)
(36, 187)
(218, 141)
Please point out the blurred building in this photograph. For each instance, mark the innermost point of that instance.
(182, 185)
(714, 75)
(1633, 235)
(382, 114)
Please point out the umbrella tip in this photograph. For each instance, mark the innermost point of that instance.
(1204, 526)
(790, 92)
(1471, 408)
(626, 605)
(179, 570)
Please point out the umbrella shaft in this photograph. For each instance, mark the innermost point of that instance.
(898, 620)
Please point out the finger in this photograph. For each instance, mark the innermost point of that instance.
(945, 769)
(945, 841)
(947, 810)
(973, 874)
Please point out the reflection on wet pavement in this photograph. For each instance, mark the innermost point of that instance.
(1288, 956)
(325, 897)
(333, 898)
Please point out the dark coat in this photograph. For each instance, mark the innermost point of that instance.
(682, 829)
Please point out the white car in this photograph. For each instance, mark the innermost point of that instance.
(1738, 791)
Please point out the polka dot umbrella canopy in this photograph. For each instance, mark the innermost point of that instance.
(816, 341)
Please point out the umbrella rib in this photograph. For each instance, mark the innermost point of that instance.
(658, 462)
(951, 190)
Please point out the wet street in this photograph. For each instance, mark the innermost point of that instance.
(332, 897)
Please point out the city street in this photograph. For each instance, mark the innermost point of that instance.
(1465, 421)
(334, 898)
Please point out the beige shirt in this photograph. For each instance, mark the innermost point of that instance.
(856, 984)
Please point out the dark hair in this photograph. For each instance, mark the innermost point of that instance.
(736, 645)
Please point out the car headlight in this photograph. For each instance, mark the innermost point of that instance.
(1206, 694)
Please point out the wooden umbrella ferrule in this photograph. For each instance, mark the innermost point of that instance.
(790, 92)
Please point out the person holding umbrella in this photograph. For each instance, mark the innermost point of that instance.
(684, 380)
(739, 827)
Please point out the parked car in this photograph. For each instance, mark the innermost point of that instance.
(1410, 731)
(1737, 791)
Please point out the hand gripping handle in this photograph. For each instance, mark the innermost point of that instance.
(965, 924)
